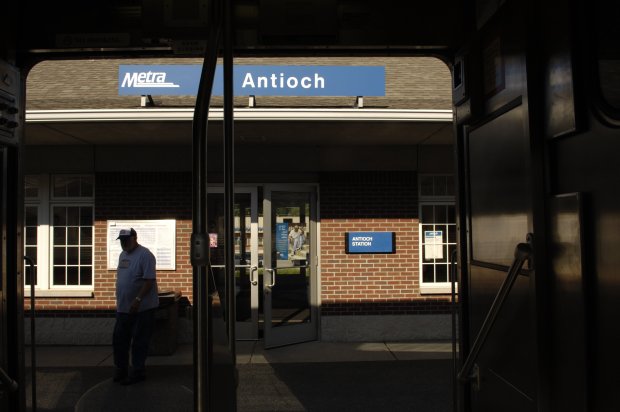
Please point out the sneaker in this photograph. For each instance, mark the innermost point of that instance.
(119, 375)
(131, 379)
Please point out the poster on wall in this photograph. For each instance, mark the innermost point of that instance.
(213, 240)
(433, 244)
(159, 236)
(282, 240)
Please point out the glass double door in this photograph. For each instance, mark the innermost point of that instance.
(275, 261)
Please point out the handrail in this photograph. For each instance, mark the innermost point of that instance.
(523, 252)
(203, 314)
(453, 312)
(33, 348)
(5, 379)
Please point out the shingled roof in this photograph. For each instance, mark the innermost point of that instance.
(411, 83)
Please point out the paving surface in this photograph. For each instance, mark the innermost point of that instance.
(315, 376)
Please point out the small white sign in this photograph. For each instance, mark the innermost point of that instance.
(159, 236)
(433, 244)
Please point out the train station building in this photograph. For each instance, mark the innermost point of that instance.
(344, 207)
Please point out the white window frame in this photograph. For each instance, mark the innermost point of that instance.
(427, 200)
(45, 203)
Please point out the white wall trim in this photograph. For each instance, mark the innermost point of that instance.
(241, 114)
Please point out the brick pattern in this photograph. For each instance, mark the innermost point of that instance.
(372, 284)
(376, 284)
(135, 196)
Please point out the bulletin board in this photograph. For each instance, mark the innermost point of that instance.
(159, 236)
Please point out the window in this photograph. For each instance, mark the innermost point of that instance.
(59, 219)
(72, 256)
(31, 226)
(437, 232)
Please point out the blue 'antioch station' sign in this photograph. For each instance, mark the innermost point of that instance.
(370, 242)
(183, 80)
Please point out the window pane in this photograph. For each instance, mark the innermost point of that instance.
(73, 216)
(59, 255)
(86, 216)
(87, 186)
(31, 186)
(441, 188)
(440, 214)
(86, 255)
(428, 215)
(60, 235)
(60, 216)
(86, 276)
(86, 235)
(72, 255)
(31, 252)
(451, 214)
(427, 273)
(31, 235)
(73, 236)
(450, 191)
(60, 186)
(442, 273)
(426, 186)
(444, 233)
(451, 234)
(72, 275)
(32, 218)
(59, 275)
(73, 187)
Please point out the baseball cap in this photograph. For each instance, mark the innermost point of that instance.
(126, 233)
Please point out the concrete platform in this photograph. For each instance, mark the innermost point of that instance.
(313, 376)
(253, 352)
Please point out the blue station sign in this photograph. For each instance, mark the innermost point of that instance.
(183, 80)
(370, 242)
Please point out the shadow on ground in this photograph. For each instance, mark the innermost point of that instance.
(419, 386)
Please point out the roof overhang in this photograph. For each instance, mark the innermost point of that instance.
(253, 114)
(273, 126)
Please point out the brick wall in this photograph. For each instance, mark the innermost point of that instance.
(350, 201)
(372, 284)
(125, 196)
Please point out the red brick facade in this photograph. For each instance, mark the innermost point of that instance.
(376, 284)
(135, 196)
(373, 284)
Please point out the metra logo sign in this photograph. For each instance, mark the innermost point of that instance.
(146, 79)
(255, 80)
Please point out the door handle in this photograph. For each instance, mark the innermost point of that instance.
(253, 269)
(273, 277)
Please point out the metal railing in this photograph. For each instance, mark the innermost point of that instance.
(453, 312)
(523, 253)
(7, 381)
(33, 348)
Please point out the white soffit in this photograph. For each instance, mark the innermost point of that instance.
(253, 114)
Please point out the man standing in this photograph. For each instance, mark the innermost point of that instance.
(136, 301)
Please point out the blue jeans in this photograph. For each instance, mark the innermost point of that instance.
(132, 331)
